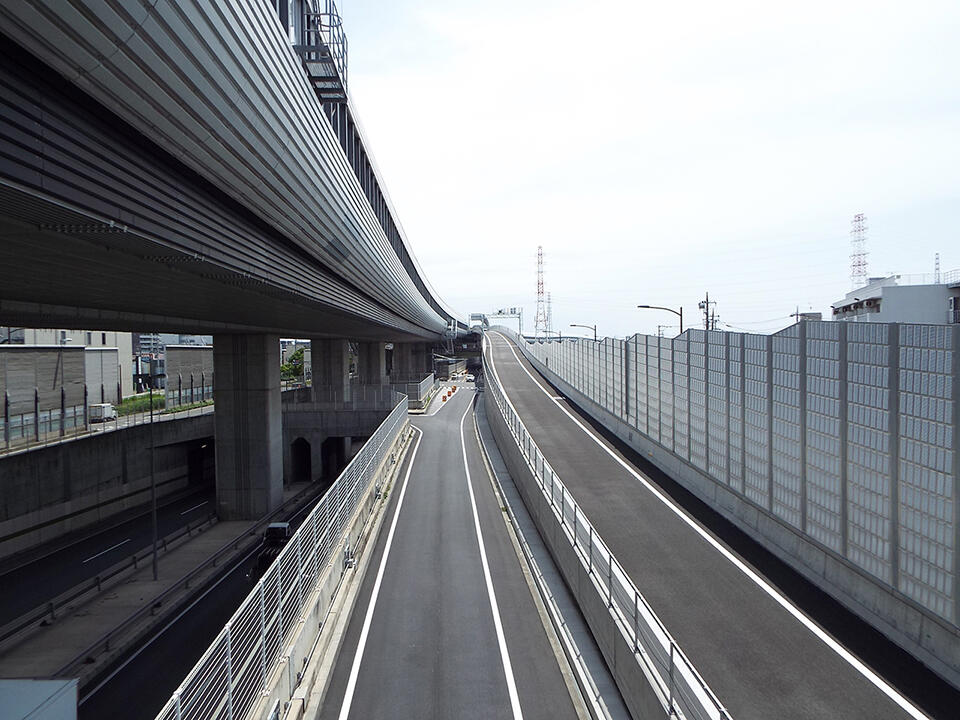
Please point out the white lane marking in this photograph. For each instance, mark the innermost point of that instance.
(561, 627)
(94, 557)
(194, 507)
(491, 594)
(854, 662)
(362, 644)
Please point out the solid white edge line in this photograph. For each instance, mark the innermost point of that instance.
(104, 552)
(497, 623)
(365, 631)
(559, 622)
(852, 660)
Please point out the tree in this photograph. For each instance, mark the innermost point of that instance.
(293, 368)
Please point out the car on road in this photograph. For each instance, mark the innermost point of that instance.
(471, 378)
(275, 537)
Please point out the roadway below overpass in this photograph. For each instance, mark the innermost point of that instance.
(62, 567)
(767, 643)
(445, 625)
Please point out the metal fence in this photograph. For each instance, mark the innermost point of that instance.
(417, 390)
(231, 676)
(684, 691)
(844, 432)
(330, 397)
(30, 430)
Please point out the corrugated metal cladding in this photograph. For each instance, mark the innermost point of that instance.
(26, 369)
(846, 432)
(218, 86)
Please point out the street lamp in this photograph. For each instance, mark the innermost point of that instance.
(660, 307)
(588, 327)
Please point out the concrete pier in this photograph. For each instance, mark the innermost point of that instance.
(248, 425)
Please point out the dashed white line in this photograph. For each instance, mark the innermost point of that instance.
(845, 654)
(94, 557)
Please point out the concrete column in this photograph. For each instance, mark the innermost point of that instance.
(330, 364)
(248, 425)
(372, 363)
(412, 360)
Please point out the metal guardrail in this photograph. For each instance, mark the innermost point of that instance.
(231, 676)
(104, 641)
(328, 397)
(48, 609)
(683, 689)
(47, 431)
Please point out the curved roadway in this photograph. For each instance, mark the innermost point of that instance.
(449, 629)
(762, 656)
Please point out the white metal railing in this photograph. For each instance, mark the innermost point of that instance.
(684, 691)
(231, 676)
(329, 397)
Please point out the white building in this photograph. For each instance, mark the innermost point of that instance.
(903, 299)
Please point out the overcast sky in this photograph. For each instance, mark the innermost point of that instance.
(661, 150)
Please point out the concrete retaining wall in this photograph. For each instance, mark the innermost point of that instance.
(638, 690)
(53, 490)
(925, 636)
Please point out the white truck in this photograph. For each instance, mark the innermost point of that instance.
(102, 412)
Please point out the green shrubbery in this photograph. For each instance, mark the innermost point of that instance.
(140, 403)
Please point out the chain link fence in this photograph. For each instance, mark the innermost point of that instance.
(685, 693)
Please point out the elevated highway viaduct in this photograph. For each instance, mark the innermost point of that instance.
(172, 167)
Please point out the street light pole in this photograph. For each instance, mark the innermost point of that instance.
(660, 307)
(588, 327)
(153, 477)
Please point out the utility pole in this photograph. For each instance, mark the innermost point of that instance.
(709, 315)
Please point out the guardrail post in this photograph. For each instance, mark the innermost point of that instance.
(670, 689)
(636, 621)
(574, 527)
(229, 672)
(263, 638)
(36, 414)
(563, 507)
(609, 578)
(590, 553)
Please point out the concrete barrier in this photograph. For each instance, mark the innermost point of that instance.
(58, 488)
(928, 638)
(639, 690)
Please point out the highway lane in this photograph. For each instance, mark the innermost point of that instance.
(760, 659)
(48, 576)
(152, 672)
(141, 686)
(445, 625)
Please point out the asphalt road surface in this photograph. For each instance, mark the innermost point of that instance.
(48, 576)
(446, 626)
(762, 661)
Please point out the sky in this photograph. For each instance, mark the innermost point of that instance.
(660, 151)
